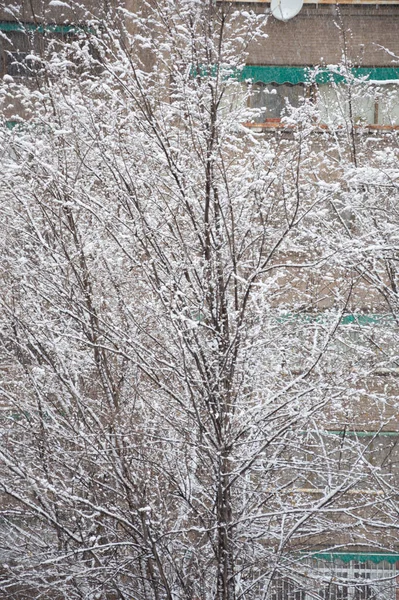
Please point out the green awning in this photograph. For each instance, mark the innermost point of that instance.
(11, 124)
(367, 319)
(264, 74)
(9, 26)
(360, 319)
(295, 75)
(362, 434)
(362, 557)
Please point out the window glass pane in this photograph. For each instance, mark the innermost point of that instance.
(19, 54)
(335, 105)
(234, 97)
(354, 580)
(388, 104)
(336, 580)
(21, 64)
(272, 99)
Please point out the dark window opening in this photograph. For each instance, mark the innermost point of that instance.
(272, 99)
(22, 64)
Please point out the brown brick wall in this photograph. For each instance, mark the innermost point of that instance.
(313, 37)
(39, 10)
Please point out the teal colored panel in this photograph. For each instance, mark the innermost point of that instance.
(362, 319)
(352, 319)
(52, 28)
(226, 71)
(361, 434)
(357, 556)
(377, 73)
(11, 124)
(279, 75)
(295, 75)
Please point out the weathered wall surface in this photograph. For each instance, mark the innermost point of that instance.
(314, 36)
(43, 11)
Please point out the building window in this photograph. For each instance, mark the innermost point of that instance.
(271, 99)
(367, 95)
(284, 588)
(363, 577)
(356, 580)
(387, 105)
(376, 104)
(21, 64)
(23, 45)
(18, 53)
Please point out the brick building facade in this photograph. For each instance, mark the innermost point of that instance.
(313, 37)
(317, 37)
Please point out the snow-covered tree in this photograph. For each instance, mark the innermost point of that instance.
(182, 321)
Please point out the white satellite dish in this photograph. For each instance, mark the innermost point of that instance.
(283, 10)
